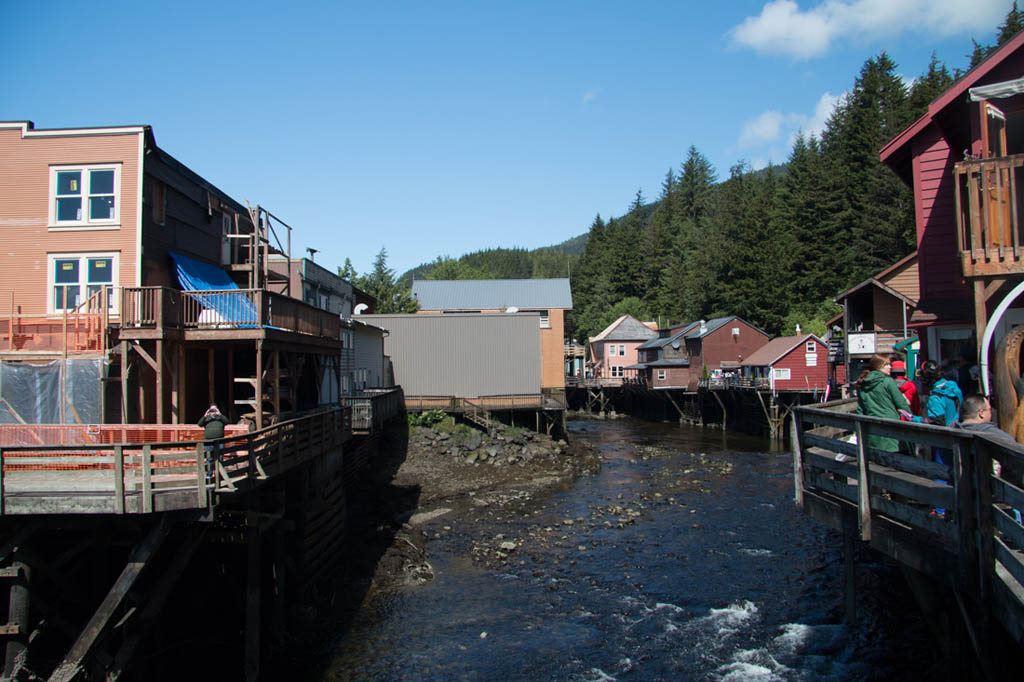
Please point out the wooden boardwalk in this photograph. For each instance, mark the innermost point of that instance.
(68, 494)
(973, 552)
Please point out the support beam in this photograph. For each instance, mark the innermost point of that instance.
(259, 384)
(160, 381)
(211, 393)
(124, 382)
(71, 666)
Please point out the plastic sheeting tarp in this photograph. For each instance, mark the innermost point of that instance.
(228, 308)
(31, 394)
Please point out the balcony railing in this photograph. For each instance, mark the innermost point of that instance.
(162, 308)
(988, 197)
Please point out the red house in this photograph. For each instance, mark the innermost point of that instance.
(680, 356)
(963, 159)
(790, 363)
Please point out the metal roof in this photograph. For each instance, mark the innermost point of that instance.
(776, 349)
(492, 294)
(626, 328)
(662, 341)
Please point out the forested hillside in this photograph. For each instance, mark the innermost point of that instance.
(774, 248)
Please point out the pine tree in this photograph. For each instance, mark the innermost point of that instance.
(391, 296)
(930, 85)
(1011, 26)
(347, 272)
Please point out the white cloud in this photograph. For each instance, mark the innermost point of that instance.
(783, 28)
(589, 96)
(768, 127)
(762, 129)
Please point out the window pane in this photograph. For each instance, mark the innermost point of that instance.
(69, 182)
(69, 209)
(65, 297)
(101, 182)
(101, 208)
(66, 271)
(101, 270)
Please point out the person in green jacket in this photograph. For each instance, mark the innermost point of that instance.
(879, 396)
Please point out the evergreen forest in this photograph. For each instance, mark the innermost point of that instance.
(774, 246)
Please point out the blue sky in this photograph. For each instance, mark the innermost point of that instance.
(447, 127)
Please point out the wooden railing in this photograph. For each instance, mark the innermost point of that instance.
(987, 196)
(160, 307)
(373, 408)
(80, 330)
(127, 478)
(734, 382)
(954, 521)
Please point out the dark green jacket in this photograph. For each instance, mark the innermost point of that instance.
(881, 397)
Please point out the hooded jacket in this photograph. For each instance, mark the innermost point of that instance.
(880, 397)
(943, 406)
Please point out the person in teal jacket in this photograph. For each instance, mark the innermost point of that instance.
(944, 397)
(879, 396)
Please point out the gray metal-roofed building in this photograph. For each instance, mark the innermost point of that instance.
(463, 355)
(479, 295)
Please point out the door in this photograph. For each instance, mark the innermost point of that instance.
(997, 180)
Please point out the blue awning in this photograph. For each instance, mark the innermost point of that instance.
(233, 307)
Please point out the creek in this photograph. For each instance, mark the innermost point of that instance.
(684, 558)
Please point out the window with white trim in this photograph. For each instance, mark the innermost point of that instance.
(781, 373)
(617, 371)
(812, 347)
(661, 375)
(545, 319)
(622, 350)
(85, 196)
(75, 277)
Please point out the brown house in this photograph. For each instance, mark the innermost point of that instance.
(118, 254)
(680, 356)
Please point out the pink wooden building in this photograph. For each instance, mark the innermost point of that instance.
(614, 350)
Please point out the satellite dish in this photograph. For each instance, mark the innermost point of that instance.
(358, 310)
(511, 309)
(675, 345)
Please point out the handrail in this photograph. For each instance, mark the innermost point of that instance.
(982, 539)
(146, 477)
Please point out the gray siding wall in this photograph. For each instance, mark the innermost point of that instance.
(463, 355)
(368, 358)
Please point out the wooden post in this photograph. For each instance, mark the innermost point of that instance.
(259, 384)
(182, 384)
(176, 389)
(796, 433)
(232, 413)
(118, 480)
(277, 384)
(147, 479)
(160, 381)
(211, 394)
(124, 382)
(16, 654)
(864, 485)
(10, 326)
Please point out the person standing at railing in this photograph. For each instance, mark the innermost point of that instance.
(976, 416)
(213, 422)
(878, 396)
(907, 387)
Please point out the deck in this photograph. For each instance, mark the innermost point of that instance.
(143, 469)
(885, 499)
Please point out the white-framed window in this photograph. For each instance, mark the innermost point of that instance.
(74, 277)
(622, 350)
(545, 319)
(85, 196)
(617, 371)
(781, 373)
(812, 347)
(661, 375)
(611, 350)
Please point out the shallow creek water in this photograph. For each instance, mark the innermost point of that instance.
(683, 559)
